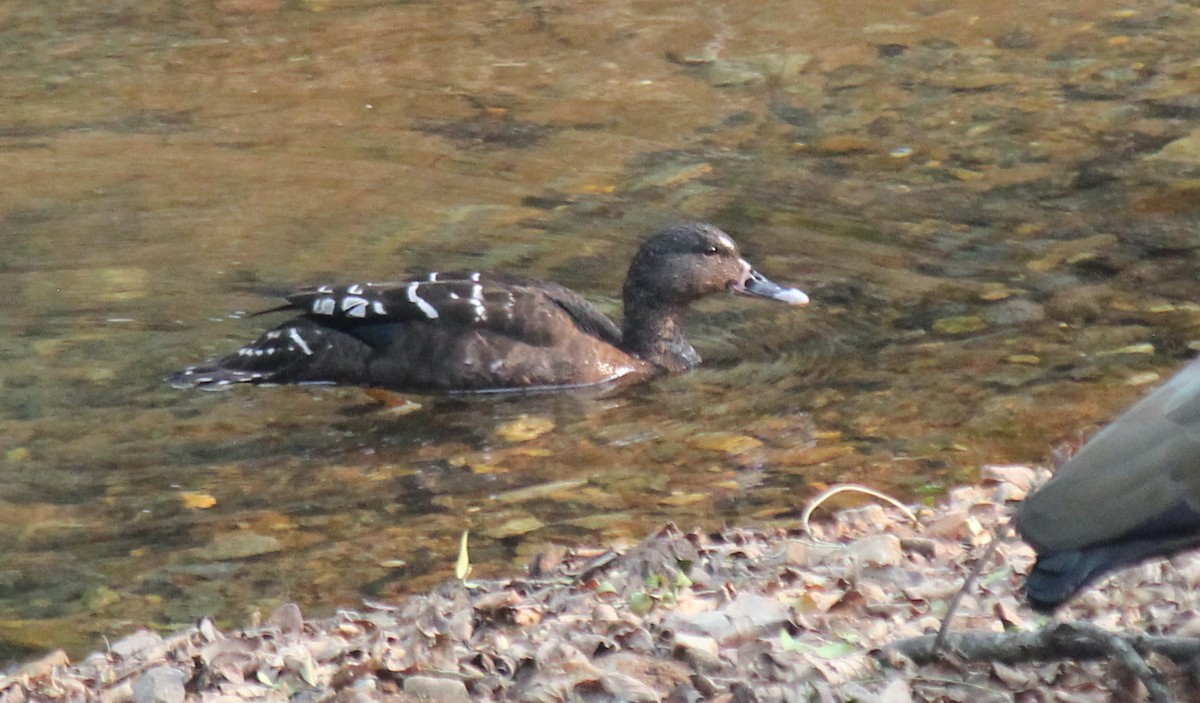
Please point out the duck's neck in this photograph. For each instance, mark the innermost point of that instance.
(655, 334)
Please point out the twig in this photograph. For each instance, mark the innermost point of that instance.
(828, 493)
(1059, 642)
(939, 642)
(1020, 647)
(1120, 649)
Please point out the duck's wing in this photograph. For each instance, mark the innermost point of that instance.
(1127, 476)
(1131, 492)
(587, 317)
(525, 309)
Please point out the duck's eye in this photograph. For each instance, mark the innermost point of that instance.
(711, 250)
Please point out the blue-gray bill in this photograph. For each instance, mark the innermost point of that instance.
(759, 286)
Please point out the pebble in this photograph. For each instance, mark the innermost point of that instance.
(843, 144)
(239, 545)
(1014, 311)
(1185, 150)
(161, 684)
(524, 428)
(1024, 359)
(514, 527)
(962, 324)
(727, 442)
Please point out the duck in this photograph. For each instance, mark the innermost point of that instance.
(480, 332)
(1131, 493)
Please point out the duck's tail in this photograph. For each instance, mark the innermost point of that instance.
(298, 351)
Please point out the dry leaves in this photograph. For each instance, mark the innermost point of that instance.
(740, 615)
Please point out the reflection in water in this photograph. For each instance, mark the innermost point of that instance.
(993, 209)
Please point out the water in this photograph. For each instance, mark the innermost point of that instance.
(993, 209)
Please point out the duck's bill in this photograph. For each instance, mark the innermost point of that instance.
(759, 286)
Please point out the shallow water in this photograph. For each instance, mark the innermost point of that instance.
(992, 207)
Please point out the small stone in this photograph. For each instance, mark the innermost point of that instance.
(1016, 39)
(1142, 379)
(1024, 359)
(524, 428)
(102, 597)
(682, 499)
(672, 175)
(161, 684)
(970, 82)
(995, 294)
(603, 521)
(843, 144)
(811, 456)
(248, 7)
(1064, 251)
(1015, 311)
(1140, 348)
(193, 500)
(540, 491)
(1185, 150)
(239, 545)
(727, 442)
(962, 324)
(514, 527)
(728, 74)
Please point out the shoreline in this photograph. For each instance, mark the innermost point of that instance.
(682, 616)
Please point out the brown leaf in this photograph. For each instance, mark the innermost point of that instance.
(876, 550)
(44, 666)
(627, 688)
(490, 603)
(1013, 677)
(1010, 612)
(897, 691)
(1019, 476)
(143, 644)
(933, 589)
(843, 669)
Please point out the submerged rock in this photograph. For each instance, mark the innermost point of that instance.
(162, 684)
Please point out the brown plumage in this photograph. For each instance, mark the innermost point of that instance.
(482, 332)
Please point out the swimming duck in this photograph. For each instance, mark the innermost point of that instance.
(1131, 493)
(473, 332)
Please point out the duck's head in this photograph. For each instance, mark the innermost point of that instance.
(690, 260)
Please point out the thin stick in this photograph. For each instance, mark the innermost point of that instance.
(939, 642)
(828, 493)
